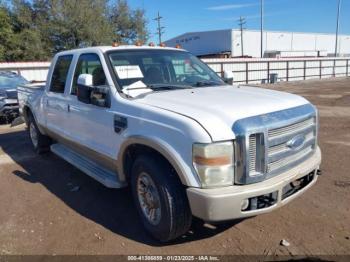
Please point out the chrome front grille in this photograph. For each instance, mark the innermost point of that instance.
(252, 153)
(268, 145)
(272, 150)
(280, 153)
(287, 160)
(292, 128)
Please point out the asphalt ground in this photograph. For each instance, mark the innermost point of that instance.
(48, 207)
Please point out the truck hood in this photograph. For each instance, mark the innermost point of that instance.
(218, 108)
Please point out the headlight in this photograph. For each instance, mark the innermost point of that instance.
(214, 163)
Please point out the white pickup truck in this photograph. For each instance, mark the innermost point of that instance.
(187, 143)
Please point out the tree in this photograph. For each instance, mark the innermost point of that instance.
(140, 25)
(6, 32)
(128, 25)
(26, 44)
(37, 29)
(75, 24)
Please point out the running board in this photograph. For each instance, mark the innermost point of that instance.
(101, 174)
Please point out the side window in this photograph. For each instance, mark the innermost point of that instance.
(59, 75)
(89, 64)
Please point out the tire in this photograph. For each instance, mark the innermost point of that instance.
(40, 142)
(171, 211)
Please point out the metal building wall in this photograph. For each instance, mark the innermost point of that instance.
(204, 43)
(216, 42)
(287, 41)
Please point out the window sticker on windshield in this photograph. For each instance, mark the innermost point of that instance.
(128, 71)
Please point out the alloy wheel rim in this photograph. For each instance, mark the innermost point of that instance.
(149, 199)
(33, 134)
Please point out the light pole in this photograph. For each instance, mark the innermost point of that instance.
(261, 28)
(337, 30)
(336, 38)
(241, 23)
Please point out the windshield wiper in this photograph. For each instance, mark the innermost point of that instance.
(168, 86)
(206, 83)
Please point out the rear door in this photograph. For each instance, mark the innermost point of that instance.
(55, 104)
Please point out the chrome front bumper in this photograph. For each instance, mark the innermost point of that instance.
(222, 204)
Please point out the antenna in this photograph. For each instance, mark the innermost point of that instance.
(160, 29)
(241, 22)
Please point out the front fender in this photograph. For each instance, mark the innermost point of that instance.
(185, 171)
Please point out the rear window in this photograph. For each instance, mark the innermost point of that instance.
(59, 75)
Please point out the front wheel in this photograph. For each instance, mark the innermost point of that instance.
(160, 198)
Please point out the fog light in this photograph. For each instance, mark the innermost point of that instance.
(244, 204)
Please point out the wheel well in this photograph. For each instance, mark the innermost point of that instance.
(135, 150)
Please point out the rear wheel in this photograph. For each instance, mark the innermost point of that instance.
(160, 198)
(40, 142)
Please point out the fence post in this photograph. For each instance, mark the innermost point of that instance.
(304, 69)
(347, 67)
(222, 69)
(246, 73)
(268, 72)
(287, 73)
(320, 69)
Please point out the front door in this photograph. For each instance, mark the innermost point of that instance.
(89, 125)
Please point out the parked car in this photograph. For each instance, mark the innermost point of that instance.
(8, 95)
(159, 120)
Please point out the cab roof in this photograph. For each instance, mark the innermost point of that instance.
(105, 49)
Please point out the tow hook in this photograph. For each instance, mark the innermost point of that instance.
(319, 172)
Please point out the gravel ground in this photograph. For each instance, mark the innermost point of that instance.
(49, 207)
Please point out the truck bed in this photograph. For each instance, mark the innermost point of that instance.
(30, 92)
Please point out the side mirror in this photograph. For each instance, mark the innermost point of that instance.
(84, 87)
(228, 77)
(85, 80)
(99, 96)
(90, 94)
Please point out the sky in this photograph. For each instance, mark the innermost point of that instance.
(181, 16)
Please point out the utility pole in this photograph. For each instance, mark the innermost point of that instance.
(261, 28)
(160, 29)
(336, 38)
(337, 30)
(241, 23)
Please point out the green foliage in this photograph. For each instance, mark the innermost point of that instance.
(6, 33)
(128, 25)
(36, 29)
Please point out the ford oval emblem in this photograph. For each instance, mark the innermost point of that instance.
(296, 142)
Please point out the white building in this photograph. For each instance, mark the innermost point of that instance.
(274, 44)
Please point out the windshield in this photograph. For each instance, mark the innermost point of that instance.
(11, 81)
(161, 70)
